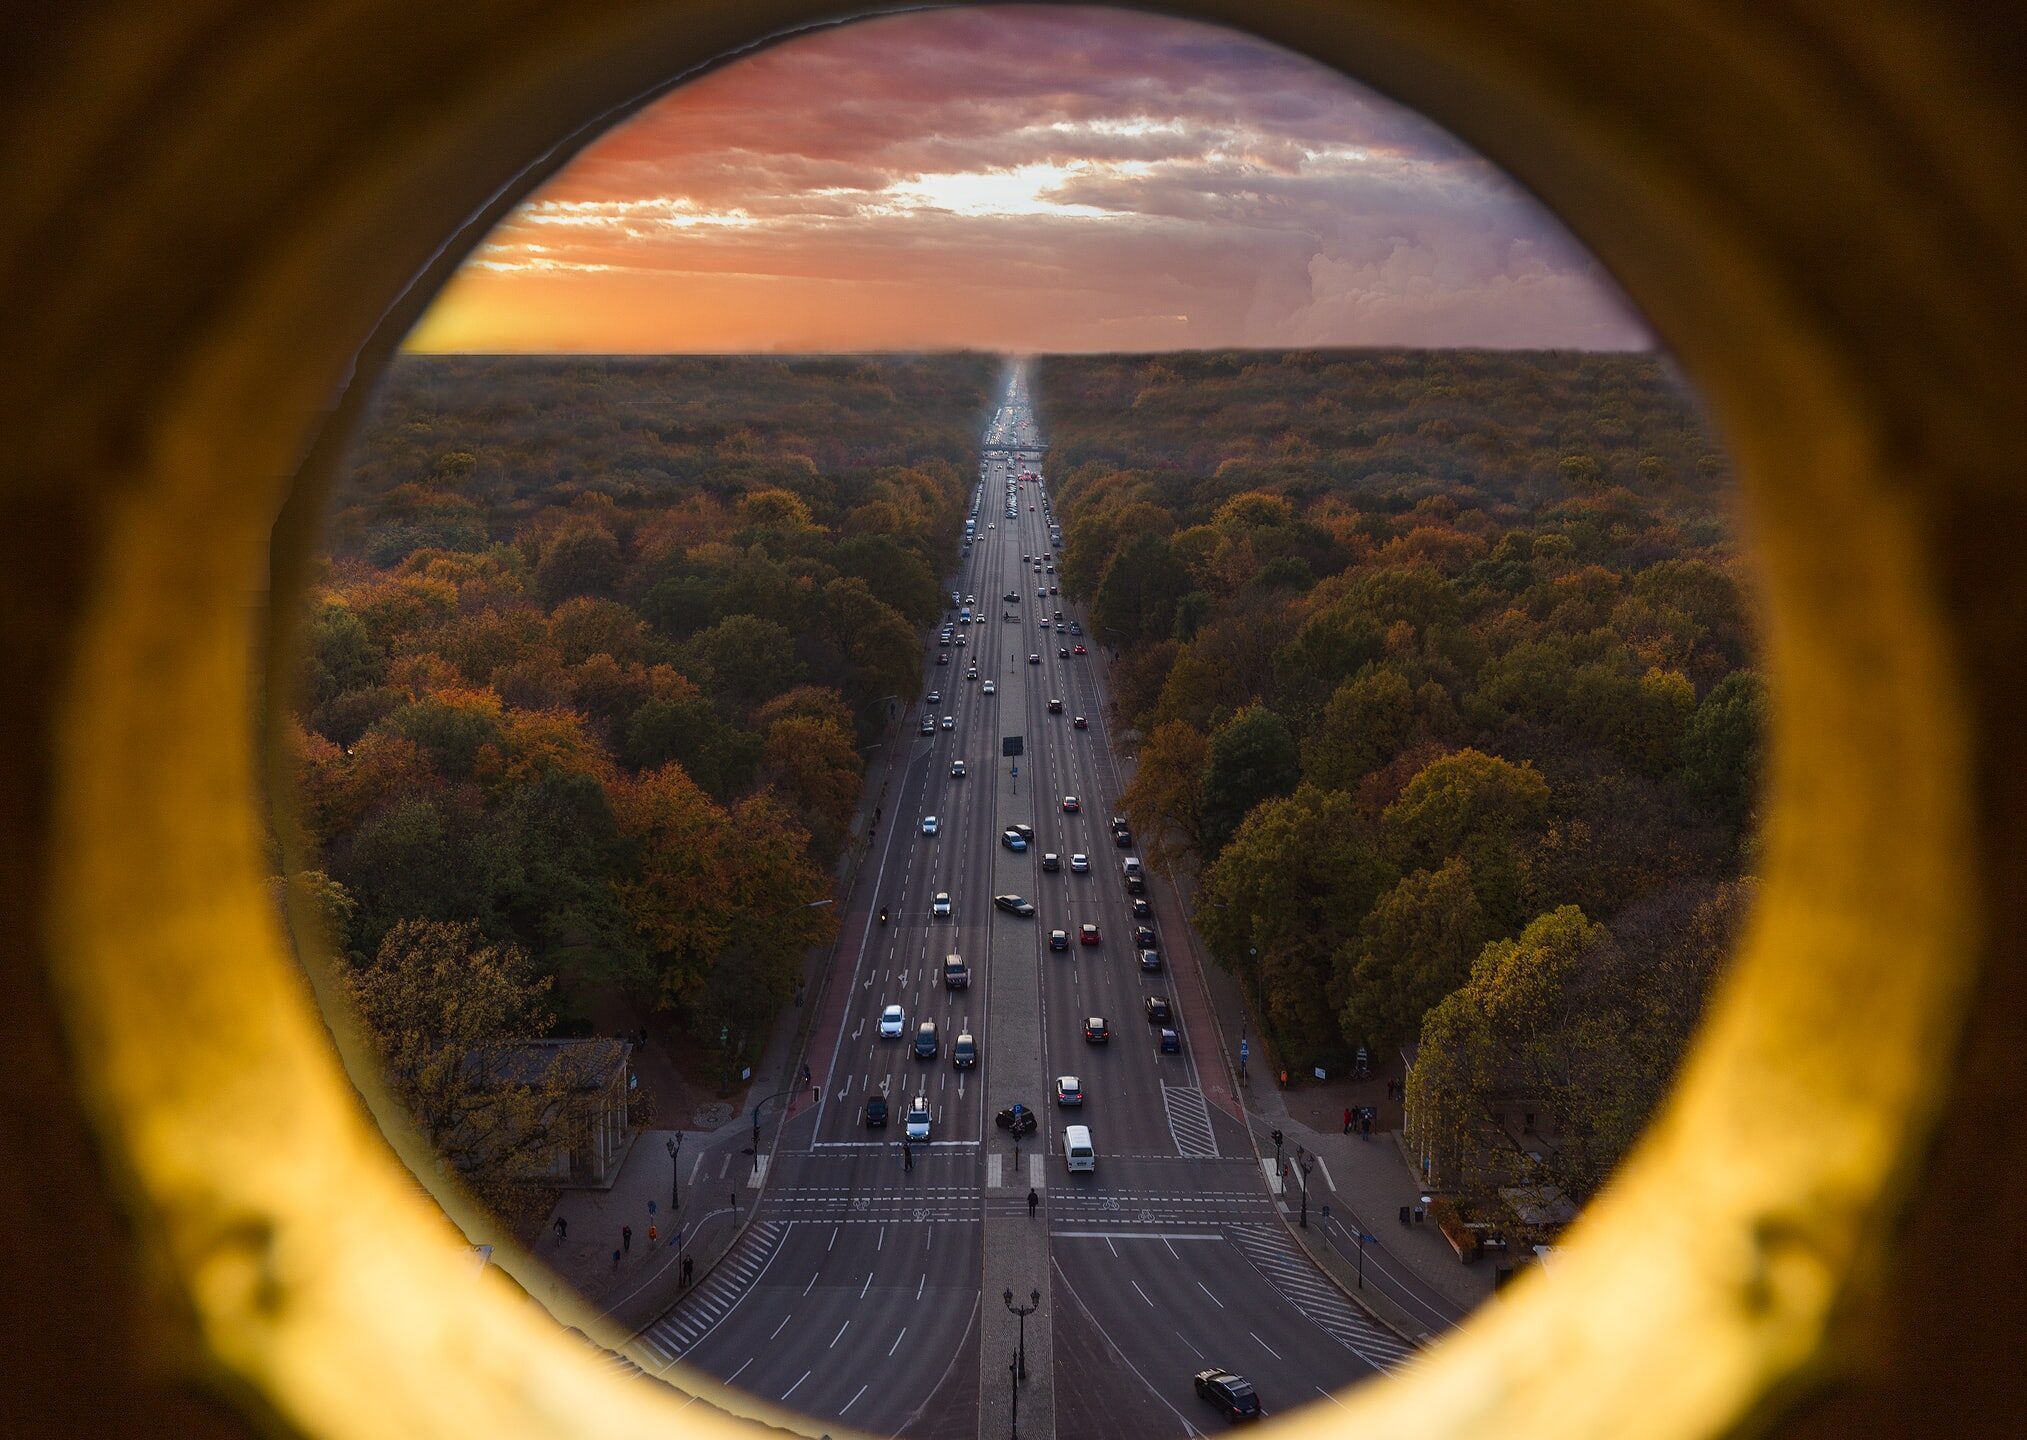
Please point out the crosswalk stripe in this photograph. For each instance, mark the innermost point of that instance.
(1189, 1122)
(1273, 1255)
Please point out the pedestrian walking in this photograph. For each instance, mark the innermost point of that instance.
(626, 1238)
(562, 1228)
(1347, 1119)
(1034, 1201)
(689, 1270)
(615, 1259)
(907, 1156)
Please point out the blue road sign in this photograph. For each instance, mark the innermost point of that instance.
(1244, 1051)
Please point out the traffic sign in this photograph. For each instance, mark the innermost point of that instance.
(1012, 745)
(1244, 1050)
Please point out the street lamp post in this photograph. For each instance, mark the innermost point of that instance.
(1307, 1163)
(675, 1148)
(1034, 1303)
(1014, 1388)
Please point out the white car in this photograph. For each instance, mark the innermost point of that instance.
(929, 825)
(1080, 864)
(957, 770)
(918, 1119)
(988, 689)
(940, 906)
(892, 1022)
(949, 722)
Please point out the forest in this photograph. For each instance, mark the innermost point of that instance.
(1437, 668)
(589, 667)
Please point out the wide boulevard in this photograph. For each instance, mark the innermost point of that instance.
(869, 1288)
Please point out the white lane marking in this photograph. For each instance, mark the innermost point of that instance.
(897, 1343)
(781, 1327)
(725, 1165)
(867, 1286)
(796, 1386)
(1129, 1235)
(1326, 1174)
(1273, 1175)
(759, 1172)
(1110, 1246)
(1331, 1398)
(835, 1231)
(737, 1373)
(1035, 1170)
(993, 1164)
(1265, 1346)
(839, 1336)
(812, 1282)
(920, 1283)
(1137, 1290)
(851, 1402)
(881, 1242)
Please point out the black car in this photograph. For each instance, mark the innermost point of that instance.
(1013, 905)
(1062, 653)
(1170, 1043)
(1026, 832)
(1141, 909)
(1143, 936)
(927, 1047)
(1123, 839)
(876, 1111)
(1158, 1013)
(1230, 1393)
(1150, 959)
(1055, 707)
(1118, 822)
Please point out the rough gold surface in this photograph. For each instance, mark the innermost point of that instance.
(220, 217)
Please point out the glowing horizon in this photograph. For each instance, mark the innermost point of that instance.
(1119, 182)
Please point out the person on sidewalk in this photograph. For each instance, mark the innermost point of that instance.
(1347, 1119)
(615, 1260)
(689, 1270)
(1034, 1201)
(626, 1238)
(562, 1228)
(907, 1156)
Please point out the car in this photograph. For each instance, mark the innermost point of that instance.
(1034, 659)
(934, 697)
(964, 1053)
(1062, 629)
(1080, 864)
(930, 824)
(1069, 1090)
(1014, 841)
(960, 640)
(1051, 861)
(1071, 805)
(1059, 940)
(927, 1046)
(876, 1111)
(949, 722)
(1062, 651)
(1042, 594)
(940, 906)
(988, 688)
(972, 673)
(1143, 936)
(1087, 934)
(891, 1021)
(1055, 707)
(957, 770)
(1150, 959)
(918, 1119)
(928, 724)
(1079, 650)
(1158, 1011)
(1013, 904)
(942, 657)
(1141, 909)
(1076, 627)
(1123, 839)
(1054, 591)
(1231, 1394)
(971, 599)
(1025, 831)
(1025, 559)
(1118, 822)
(1096, 1031)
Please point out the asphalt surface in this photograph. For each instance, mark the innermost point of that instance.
(856, 1295)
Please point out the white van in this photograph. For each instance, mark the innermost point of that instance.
(1078, 1152)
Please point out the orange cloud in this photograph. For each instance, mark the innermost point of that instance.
(1027, 180)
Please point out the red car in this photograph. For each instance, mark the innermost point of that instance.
(1079, 650)
(1088, 934)
(1070, 806)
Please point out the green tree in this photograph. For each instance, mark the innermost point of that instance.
(1137, 596)
(1365, 724)
(1164, 799)
(746, 657)
(339, 655)
(1415, 947)
(1298, 876)
(1721, 747)
(1253, 757)
(581, 560)
(1461, 798)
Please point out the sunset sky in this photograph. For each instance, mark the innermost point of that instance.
(1026, 180)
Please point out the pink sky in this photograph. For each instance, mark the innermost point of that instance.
(1027, 180)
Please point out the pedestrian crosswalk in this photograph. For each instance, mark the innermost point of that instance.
(1290, 1272)
(671, 1337)
(1189, 1122)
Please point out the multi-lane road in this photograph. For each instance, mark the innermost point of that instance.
(868, 1289)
